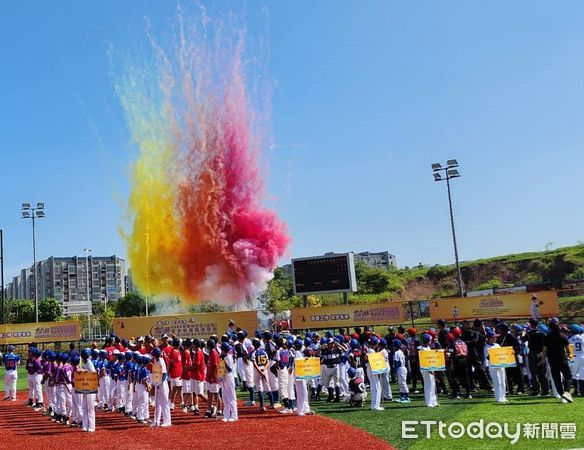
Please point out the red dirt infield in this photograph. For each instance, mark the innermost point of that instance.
(22, 427)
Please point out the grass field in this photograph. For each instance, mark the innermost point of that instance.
(387, 424)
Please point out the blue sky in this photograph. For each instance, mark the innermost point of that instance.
(366, 98)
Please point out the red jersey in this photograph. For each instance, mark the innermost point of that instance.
(175, 369)
(212, 366)
(187, 364)
(110, 352)
(198, 361)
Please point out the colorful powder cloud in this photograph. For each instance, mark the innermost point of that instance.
(199, 230)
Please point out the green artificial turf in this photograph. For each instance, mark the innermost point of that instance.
(522, 409)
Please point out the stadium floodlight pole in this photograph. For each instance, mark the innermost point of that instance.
(89, 303)
(34, 213)
(450, 172)
(2, 272)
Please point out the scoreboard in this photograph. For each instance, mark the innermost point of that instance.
(324, 274)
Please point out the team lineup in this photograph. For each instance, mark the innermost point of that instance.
(201, 377)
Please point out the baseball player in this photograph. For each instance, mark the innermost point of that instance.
(399, 364)
(272, 373)
(76, 399)
(211, 379)
(428, 377)
(175, 371)
(35, 376)
(303, 406)
(330, 357)
(497, 373)
(114, 371)
(227, 383)
(187, 367)
(260, 361)
(122, 383)
(88, 400)
(385, 377)
(11, 361)
(577, 364)
(161, 404)
(142, 388)
(357, 391)
(283, 358)
(198, 374)
(374, 381)
(103, 368)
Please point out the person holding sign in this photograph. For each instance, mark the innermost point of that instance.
(428, 376)
(577, 343)
(303, 406)
(374, 382)
(159, 377)
(87, 400)
(227, 383)
(497, 373)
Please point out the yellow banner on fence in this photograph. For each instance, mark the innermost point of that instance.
(502, 357)
(347, 315)
(24, 333)
(307, 368)
(199, 325)
(85, 382)
(431, 360)
(377, 363)
(156, 374)
(544, 304)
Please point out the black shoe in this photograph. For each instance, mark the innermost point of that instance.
(29, 404)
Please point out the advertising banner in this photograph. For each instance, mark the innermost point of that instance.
(199, 325)
(307, 368)
(85, 382)
(377, 363)
(544, 304)
(347, 316)
(431, 360)
(24, 333)
(502, 357)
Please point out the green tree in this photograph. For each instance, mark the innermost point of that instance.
(20, 311)
(279, 295)
(132, 304)
(50, 310)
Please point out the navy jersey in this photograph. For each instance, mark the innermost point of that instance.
(330, 357)
(11, 361)
(142, 374)
(260, 357)
(283, 358)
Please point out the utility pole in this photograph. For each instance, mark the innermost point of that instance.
(2, 273)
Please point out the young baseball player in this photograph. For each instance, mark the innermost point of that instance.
(248, 369)
(103, 368)
(35, 375)
(272, 370)
(76, 399)
(497, 373)
(211, 379)
(114, 371)
(428, 377)
(49, 372)
(198, 374)
(187, 367)
(161, 405)
(175, 371)
(88, 400)
(122, 381)
(63, 384)
(357, 391)
(399, 364)
(127, 401)
(11, 361)
(577, 364)
(227, 383)
(330, 356)
(303, 407)
(385, 377)
(142, 388)
(374, 381)
(260, 361)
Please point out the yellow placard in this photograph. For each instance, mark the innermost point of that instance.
(307, 368)
(377, 363)
(197, 325)
(221, 370)
(571, 351)
(431, 360)
(24, 333)
(502, 357)
(501, 306)
(156, 374)
(85, 382)
(347, 315)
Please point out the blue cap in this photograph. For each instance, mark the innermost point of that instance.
(374, 340)
(543, 328)
(226, 347)
(328, 334)
(426, 338)
(11, 348)
(298, 343)
(383, 342)
(397, 343)
(75, 360)
(354, 343)
(352, 372)
(156, 352)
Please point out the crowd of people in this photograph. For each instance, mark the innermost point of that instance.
(201, 377)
